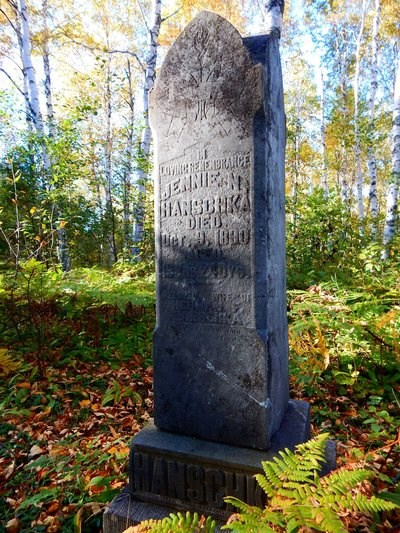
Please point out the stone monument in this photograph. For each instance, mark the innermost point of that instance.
(221, 390)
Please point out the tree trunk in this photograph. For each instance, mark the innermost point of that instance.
(150, 74)
(392, 193)
(373, 195)
(47, 72)
(359, 176)
(274, 12)
(344, 183)
(324, 177)
(109, 210)
(127, 177)
(29, 71)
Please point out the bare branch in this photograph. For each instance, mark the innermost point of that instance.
(129, 53)
(171, 15)
(9, 20)
(143, 17)
(12, 81)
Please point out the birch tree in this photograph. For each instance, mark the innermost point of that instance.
(359, 176)
(128, 165)
(149, 78)
(373, 194)
(273, 18)
(24, 41)
(324, 173)
(47, 70)
(393, 189)
(109, 208)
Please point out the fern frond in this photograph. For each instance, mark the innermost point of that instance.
(249, 523)
(341, 481)
(298, 497)
(372, 504)
(311, 454)
(244, 507)
(179, 523)
(327, 521)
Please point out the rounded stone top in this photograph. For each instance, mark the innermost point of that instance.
(208, 65)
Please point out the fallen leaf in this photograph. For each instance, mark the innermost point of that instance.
(13, 526)
(112, 450)
(9, 470)
(24, 385)
(113, 433)
(35, 451)
(11, 502)
(54, 507)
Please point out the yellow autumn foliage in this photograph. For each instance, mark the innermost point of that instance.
(8, 365)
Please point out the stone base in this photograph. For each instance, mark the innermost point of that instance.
(124, 511)
(170, 473)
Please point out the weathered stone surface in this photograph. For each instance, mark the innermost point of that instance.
(220, 346)
(186, 473)
(125, 511)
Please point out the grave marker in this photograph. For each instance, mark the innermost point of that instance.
(221, 388)
(220, 346)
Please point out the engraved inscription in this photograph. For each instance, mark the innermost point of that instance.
(192, 483)
(205, 213)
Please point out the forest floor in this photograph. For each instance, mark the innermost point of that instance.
(70, 406)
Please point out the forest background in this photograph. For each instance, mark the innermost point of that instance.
(77, 237)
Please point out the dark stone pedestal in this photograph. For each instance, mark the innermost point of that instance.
(170, 473)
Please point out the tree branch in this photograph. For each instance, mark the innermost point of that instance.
(171, 15)
(9, 20)
(143, 17)
(129, 53)
(12, 81)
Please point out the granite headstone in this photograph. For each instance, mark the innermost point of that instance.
(220, 345)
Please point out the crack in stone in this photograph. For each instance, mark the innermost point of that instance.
(226, 379)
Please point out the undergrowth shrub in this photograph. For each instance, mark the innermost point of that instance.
(48, 316)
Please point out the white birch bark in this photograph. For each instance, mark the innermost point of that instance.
(359, 176)
(109, 211)
(341, 152)
(29, 71)
(150, 74)
(393, 189)
(373, 195)
(32, 101)
(47, 72)
(25, 83)
(273, 19)
(129, 162)
(324, 175)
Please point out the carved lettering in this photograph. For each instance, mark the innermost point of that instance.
(215, 488)
(235, 486)
(176, 480)
(193, 483)
(255, 494)
(159, 480)
(237, 203)
(186, 167)
(142, 470)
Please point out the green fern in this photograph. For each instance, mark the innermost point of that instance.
(181, 523)
(298, 497)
